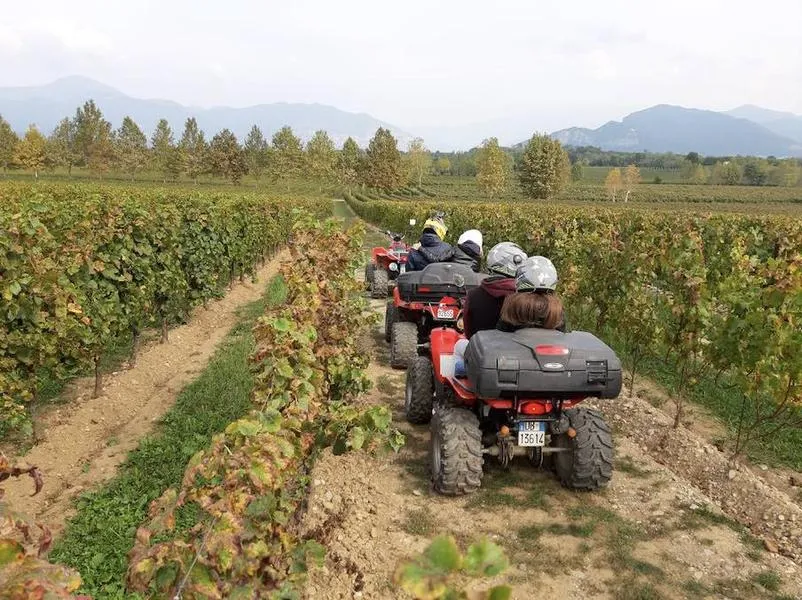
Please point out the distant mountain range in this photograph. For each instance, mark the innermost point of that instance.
(46, 105)
(745, 130)
(666, 128)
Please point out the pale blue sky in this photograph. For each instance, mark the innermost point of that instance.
(420, 62)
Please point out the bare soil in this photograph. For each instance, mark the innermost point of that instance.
(83, 440)
(657, 531)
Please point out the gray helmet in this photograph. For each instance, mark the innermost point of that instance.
(536, 273)
(505, 258)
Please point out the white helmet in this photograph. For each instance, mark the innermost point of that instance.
(536, 273)
(472, 235)
(505, 258)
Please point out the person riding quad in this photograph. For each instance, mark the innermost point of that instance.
(535, 303)
(469, 250)
(432, 248)
(482, 308)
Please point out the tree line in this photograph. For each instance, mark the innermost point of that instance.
(88, 140)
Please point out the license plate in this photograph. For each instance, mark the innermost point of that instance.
(531, 433)
(445, 313)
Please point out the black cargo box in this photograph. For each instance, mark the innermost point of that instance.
(542, 362)
(437, 280)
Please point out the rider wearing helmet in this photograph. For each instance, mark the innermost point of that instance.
(469, 249)
(534, 304)
(432, 248)
(483, 304)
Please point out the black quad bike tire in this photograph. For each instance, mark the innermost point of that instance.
(419, 391)
(390, 317)
(456, 451)
(588, 463)
(403, 344)
(369, 269)
(378, 287)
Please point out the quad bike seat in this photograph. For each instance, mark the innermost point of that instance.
(542, 362)
(437, 280)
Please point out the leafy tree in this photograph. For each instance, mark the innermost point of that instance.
(256, 152)
(61, 146)
(348, 162)
(631, 178)
(613, 182)
(321, 156)
(226, 158)
(193, 149)
(786, 173)
(442, 166)
(693, 158)
(544, 167)
(30, 151)
(694, 172)
(492, 168)
(383, 167)
(8, 143)
(131, 147)
(166, 157)
(755, 172)
(286, 155)
(420, 161)
(576, 171)
(93, 138)
(727, 173)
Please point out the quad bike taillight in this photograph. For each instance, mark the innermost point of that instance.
(552, 350)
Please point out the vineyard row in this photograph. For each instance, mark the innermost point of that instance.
(717, 296)
(82, 266)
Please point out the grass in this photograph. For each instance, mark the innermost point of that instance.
(531, 491)
(626, 464)
(387, 386)
(530, 532)
(637, 590)
(420, 521)
(695, 589)
(768, 580)
(580, 530)
(703, 517)
(97, 540)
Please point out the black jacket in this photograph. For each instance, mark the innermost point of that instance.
(432, 250)
(483, 304)
(468, 254)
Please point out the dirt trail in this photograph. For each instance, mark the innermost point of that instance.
(86, 439)
(652, 534)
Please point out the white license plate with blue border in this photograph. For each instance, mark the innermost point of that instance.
(445, 313)
(531, 433)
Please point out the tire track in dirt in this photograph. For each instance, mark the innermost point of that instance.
(649, 535)
(76, 454)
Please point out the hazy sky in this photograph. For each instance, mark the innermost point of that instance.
(420, 62)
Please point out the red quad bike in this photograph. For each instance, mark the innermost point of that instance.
(519, 394)
(386, 264)
(422, 301)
